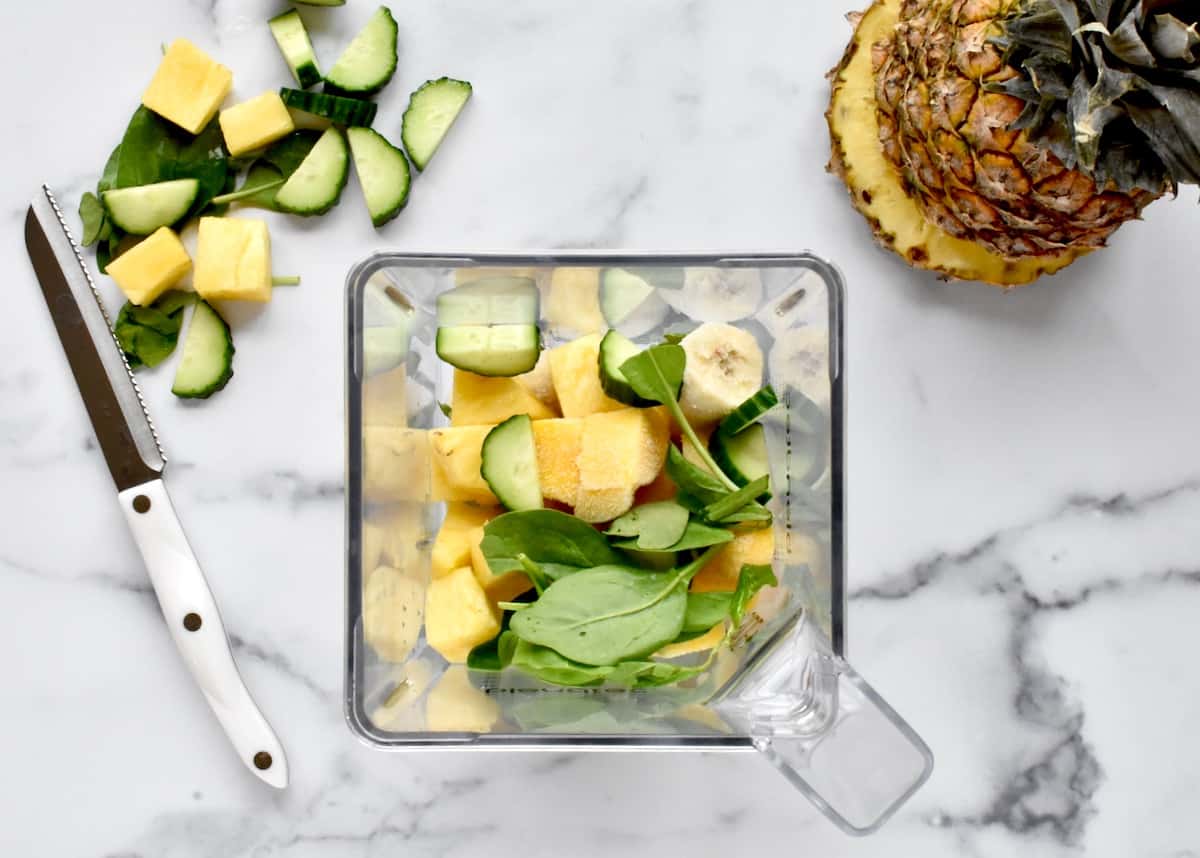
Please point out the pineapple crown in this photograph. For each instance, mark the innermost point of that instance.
(1112, 87)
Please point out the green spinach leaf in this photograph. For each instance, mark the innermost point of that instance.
(494, 655)
(550, 666)
(656, 525)
(148, 335)
(91, 213)
(155, 150)
(751, 579)
(705, 610)
(722, 508)
(693, 481)
(556, 541)
(108, 179)
(695, 535)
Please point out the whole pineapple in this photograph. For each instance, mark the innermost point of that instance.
(999, 140)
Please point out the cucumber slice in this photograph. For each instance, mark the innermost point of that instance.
(743, 457)
(317, 183)
(495, 350)
(292, 38)
(335, 108)
(431, 111)
(615, 349)
(384, 348)
(143, 209)
(382, 171)
(207, 362)
(630, 304)
(491, 301)
(509, 464)
(749, 411)
(369, 61)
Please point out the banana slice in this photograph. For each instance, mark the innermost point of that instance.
(800, 360)
(539, 382)
(717, 294)
(724, 368)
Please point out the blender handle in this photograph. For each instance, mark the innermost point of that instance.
(827, 731)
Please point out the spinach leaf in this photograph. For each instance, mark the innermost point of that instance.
(722, 508)
(148, 335)
(657, 374)
(673, 339)
(558, 542)
(656, 525)
(695, 535)
(91, 213)
(705, 610)
(287, 154)
(155, 150)
(693, 481)
(751, 579)
(549, 666)
(494, 655)
(108, 179)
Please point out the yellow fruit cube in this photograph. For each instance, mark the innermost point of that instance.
(150, 267)
(457, 455)
(557, 443)
(255, 123)
(395, 464)
(500, 588)
(539, 382)
(454, 705)
(754, 547)
(660, 489)
(458, 615)
(233, 260)
(620, 451)
(575, 368)
(463, 276)
(573, 301)
(393, 536)
(478, 399)
(188, 86)
(706, 641)
(385, 398)
(392, 607)
(452, 545)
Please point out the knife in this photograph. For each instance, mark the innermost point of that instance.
(135, 459)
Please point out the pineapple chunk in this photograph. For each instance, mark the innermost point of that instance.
(255, 123)
(706, 641)
(454, 705)
(620, 451)
(575, 368)
(395, 464)
(573, 301)
(558, 443)
(457, 457)
(188, 86)
(385, 398)
(393, 536)
(452, 546)
(233, 260)
(392, 604)
(500, 588)
(478, 399)
(150, 267)
(754, 547)
(458, 615)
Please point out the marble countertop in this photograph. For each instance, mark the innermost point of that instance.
(1024, 480)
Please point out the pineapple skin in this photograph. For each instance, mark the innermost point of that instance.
(929, 160)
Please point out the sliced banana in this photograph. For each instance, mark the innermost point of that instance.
(539, 382)
(393, 610)
(717, 294)
(724, 368)
(800, 360)
(572, 303)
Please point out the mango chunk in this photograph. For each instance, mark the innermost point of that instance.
(150, 267)
(457, 454)
(478, 399)
(500, 588)
(452, 545)
(454, 705)
(188, 86)
(705, 642)
(754, 547)
(392, 606)
(233, 260)
(575, 368)
(558, 443)
(620, 451)
(255, 123)
(458, 615)
(395, 464)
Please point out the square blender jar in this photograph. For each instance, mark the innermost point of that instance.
(783, 689)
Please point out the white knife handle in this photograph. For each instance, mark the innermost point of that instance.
(191, 614)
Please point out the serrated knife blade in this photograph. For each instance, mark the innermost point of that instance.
(130, 446)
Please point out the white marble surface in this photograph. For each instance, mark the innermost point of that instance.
(1024, 482)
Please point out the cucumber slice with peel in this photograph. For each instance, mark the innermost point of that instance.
(615, 349)
(492, 350)
(743, 457)
(382, 171)
(316, 185)
(630, 304)
(491, 301)
(509, 464)
(431, 111)
(369, 61)
(292, 38)
(352, 112)
(749, 412)
(143, 209)
(207, 362)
